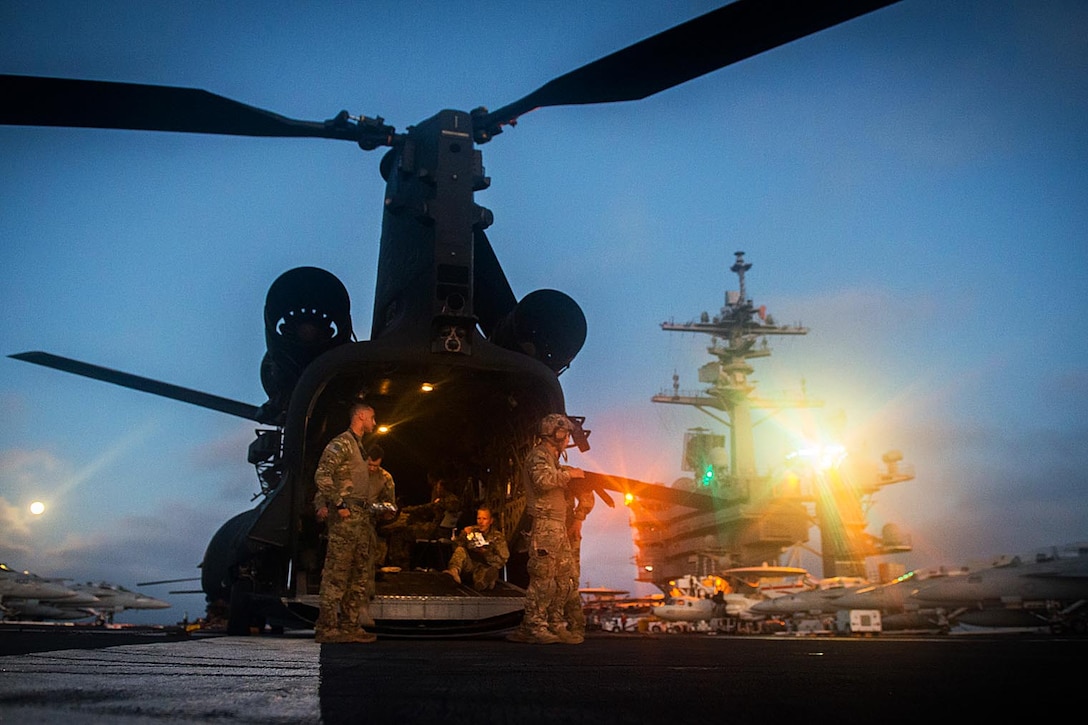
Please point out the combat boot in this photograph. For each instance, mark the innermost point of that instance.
(567, 637)
(325, 635)
(359, 636)
(518, 635)
(541, 636)
(326, 626)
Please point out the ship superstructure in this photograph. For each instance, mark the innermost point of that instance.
(759, 515)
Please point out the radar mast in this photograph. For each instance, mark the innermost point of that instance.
(759, 516)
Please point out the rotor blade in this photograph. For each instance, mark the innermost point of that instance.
(492, 299)
(652, 491)
(729, 34)
(147, 385)
(38, 101)
(168, 581)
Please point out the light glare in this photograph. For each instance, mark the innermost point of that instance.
(823, 458)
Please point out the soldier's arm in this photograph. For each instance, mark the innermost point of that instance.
(545, 476)
(328, 494)
(321, 507)
(388, 494)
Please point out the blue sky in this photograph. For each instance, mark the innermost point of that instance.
(910, 186)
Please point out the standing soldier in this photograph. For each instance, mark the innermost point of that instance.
(580, 501)
(346, 490)
(551, 565)
(384, 511)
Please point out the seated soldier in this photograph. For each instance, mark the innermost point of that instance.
(481, 551)
(447, 510)
(427, 521)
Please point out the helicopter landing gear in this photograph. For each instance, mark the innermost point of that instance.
(242, 617)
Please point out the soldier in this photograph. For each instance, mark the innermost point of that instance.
(427, 521)
(384, 510)
(481, 551)
(345, 486)
(551, 565)
(580, 501)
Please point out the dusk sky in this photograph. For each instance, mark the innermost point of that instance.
(912, 186)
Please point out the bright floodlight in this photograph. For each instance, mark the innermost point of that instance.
(823, 458)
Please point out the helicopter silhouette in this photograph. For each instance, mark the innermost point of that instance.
(444, 313)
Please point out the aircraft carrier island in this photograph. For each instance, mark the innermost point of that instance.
(748, 517)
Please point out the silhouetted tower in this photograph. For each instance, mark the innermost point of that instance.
(758, 516)
(751, 526)
(734, 332)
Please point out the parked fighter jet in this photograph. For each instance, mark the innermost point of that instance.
(113, 599)
(39, 610)
(1051, 591)
(819, 600)
(52, 600)
(899, 609)
(27, 596)
(20, 585)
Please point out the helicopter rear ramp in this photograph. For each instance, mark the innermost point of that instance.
(431, 604)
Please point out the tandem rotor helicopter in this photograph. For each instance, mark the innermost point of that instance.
(456, 365)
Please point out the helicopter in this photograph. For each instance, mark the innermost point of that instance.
(444, 315)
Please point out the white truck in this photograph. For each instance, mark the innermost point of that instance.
(858, 621)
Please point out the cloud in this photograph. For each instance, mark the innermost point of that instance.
(28, 471)
(223, 457)
(25, 476)
(983, 490)
(14, 534)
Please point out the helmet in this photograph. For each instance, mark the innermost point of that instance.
(552, 422)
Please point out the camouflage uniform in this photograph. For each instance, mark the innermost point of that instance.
(382, 481)
(422, 521)
(551, 565)
(483, 561)
(575, 615)
(347, 580)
